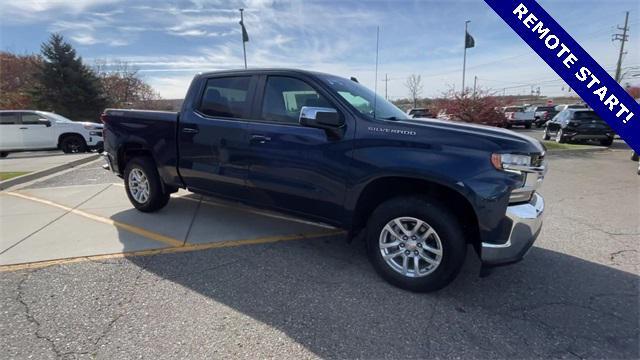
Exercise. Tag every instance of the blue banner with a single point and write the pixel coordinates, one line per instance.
(569, 60)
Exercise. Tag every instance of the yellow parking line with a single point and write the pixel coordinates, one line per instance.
(186, 248)
(130, 228)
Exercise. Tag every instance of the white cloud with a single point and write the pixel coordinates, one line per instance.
(84, 39)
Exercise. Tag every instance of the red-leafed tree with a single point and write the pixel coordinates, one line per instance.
(17, 77)
(479, 108)
(634, 91)
(123, 86)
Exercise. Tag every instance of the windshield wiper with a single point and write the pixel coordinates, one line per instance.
(390, 118)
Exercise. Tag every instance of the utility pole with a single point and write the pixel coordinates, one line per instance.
(386, 82)
(464, 61)
(622, 38)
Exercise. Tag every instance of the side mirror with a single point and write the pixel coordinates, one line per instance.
(320, 117)
(44, 122)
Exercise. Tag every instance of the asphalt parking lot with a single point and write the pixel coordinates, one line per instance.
(576, 295)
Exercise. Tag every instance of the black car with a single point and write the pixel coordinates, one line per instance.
(543, 114)
(420, 113)
(579, 124)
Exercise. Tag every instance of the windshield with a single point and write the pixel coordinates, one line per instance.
(363, 99)
(513, 109)
(56, 117)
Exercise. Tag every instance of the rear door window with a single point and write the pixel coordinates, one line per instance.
(587, 116)
(226, 97)
(7, 118)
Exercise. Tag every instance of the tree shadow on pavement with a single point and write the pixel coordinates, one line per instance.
(323, 294)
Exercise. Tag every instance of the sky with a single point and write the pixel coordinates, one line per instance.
(171, 41)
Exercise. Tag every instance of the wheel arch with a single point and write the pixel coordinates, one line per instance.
(130, 150)
(384, 188)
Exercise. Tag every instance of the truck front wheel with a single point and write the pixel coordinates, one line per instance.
(415, 243)
(143, 185)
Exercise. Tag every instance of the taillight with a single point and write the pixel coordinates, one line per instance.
(103, 118)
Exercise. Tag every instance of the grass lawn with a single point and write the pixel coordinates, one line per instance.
(552, 145)
(4, 175)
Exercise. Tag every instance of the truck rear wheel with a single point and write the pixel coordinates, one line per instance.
(415, 243)
(143, 185)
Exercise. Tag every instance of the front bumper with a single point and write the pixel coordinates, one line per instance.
(99, 145)
(526, 225)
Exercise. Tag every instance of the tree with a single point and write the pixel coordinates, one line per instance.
(17, 77)
(123, 87)
(634, 91)
(65, 85)
(479, 109)
(414, 84)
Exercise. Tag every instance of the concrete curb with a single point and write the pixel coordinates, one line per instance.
(46, 172)
(575, 151)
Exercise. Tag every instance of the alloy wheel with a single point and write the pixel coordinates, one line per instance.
(410, 247)
(139, 186)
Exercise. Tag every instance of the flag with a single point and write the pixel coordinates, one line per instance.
(468, 41)
(245, 36)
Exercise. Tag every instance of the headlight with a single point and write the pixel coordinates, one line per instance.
(92, 127)
(507, 161)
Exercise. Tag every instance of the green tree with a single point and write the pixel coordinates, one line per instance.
(65, 85)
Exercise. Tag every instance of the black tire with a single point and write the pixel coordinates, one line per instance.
(4, 154)
(560, 137)
(157, 198)
(508, 126)
(72, 144)
(606, 142)
(527, 126)
(441, 220)
(546, 135)
(634, 156)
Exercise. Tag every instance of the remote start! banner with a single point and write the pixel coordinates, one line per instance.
(572, 63)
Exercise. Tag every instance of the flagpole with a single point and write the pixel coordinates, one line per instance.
(464, 61)
(375, 84)
(244, 49)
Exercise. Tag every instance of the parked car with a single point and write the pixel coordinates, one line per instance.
(26, 130)
(542, 114)
(579, 124)
(307, 143)
(516, 115)
(420, 113)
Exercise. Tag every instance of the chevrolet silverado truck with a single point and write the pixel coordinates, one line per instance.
(328, 149)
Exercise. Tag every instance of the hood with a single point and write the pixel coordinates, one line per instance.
(470, 134)
(91, 124)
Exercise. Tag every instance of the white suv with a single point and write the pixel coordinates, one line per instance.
(24, 130)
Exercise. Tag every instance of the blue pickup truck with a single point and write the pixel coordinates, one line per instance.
(328, 149)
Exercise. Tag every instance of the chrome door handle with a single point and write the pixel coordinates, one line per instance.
(190, 130)
(260, 139)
